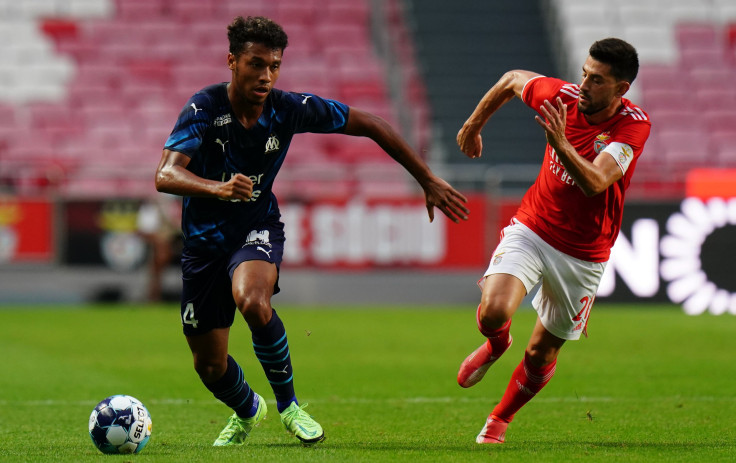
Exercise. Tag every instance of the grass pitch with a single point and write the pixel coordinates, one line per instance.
(650, 384)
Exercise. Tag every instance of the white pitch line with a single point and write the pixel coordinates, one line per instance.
(379, 401)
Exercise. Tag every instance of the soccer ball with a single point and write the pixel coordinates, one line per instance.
(120, 424)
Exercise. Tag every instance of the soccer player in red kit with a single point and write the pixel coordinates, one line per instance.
(568, 220)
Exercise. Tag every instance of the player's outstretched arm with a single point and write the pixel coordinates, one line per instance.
(173, 177)
(509, 85)
(437, 192)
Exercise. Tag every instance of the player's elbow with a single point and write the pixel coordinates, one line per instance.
(593, 189)
(162, 181)
(364, 124)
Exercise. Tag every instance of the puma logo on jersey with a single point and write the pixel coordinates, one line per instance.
(221, 143)
(272, 144)
(195, 108)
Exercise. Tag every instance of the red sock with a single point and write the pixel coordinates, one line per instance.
(526, 381)
(498, 338)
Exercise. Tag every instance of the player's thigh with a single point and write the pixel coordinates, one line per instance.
(514, 269)
(566, 297)
(253, 283)
(207, 301)
(248, 267)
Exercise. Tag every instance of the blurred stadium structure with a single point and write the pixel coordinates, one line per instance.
(89, 90)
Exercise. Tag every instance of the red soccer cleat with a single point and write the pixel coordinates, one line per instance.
(494, 432)
(475, 365)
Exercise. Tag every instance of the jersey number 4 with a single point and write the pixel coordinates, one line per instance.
(188, 316)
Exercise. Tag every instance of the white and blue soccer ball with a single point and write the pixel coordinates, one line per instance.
(120, 424)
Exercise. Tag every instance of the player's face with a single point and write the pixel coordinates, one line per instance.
(599, 89)
(255, 71)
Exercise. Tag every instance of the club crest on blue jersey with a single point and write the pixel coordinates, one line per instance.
(272, 144)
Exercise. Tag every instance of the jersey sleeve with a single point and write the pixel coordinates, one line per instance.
(319, 115)
(190, 127)
(541, 88)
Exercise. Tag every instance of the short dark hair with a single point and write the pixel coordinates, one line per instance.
(256, 29)
(618, 54)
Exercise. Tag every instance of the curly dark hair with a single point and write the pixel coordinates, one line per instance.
(620, 55)
(255, 29)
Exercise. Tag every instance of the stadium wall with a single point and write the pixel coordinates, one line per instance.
(373, 251)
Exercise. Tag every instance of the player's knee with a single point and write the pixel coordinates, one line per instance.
(256, 310)
(494, 312)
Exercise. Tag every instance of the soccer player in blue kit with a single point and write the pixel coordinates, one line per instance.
(226, 148)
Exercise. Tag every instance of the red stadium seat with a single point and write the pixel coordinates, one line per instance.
(715, 99)
(698, 36)
(720, 120)
(705, 77)
(343, 35)
(294, 13)
(137, 10)
(190, 10)
(684, 147)
(136, 67)
(659, 76)
(699, 58)
(667, 99)
(354, 13)
(723, 147)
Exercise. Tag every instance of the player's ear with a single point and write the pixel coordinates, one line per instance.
(623, 87)
(231, 61)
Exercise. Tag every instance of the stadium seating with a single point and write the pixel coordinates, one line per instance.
(96, 85)
(688, 66)
(86, 81)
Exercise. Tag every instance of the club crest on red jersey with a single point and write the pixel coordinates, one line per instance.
(601, 141)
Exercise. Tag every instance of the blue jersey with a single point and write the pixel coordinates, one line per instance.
(220, 147)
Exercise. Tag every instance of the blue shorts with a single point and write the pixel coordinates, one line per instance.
(207, 295)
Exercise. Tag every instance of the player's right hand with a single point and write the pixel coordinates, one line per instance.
(238, 188)
(470, 141)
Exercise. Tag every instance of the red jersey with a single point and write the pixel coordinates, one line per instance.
(555, 208)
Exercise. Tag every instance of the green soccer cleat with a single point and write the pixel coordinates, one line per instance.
(238, 429)
(301, 424)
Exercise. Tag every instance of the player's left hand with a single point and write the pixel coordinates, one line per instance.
(438, 193)
(554, 122)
